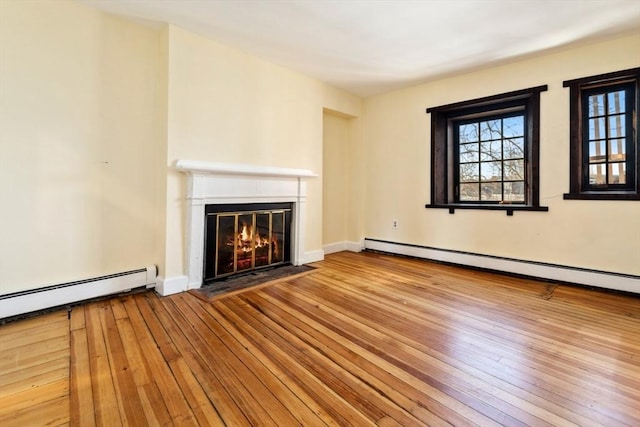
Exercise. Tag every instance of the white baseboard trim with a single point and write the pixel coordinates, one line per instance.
(355, 246)
(332, 248)
(581, 276)
(342, 246)
(313, 256)
(171, 285)
(19, 303)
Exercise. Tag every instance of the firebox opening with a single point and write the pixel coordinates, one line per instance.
(241, 238)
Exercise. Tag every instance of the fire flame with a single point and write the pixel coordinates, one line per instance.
(246, 237)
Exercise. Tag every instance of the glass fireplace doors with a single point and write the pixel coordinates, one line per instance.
(242, 238)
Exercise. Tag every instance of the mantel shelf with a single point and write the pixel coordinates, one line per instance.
(215, 168)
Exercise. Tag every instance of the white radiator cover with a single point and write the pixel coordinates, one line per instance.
(19, 303)
(567, 274)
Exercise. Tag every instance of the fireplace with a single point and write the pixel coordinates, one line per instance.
(240, 238)
(210, 183)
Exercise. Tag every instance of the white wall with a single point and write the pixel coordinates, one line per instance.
(602, 235)
(78, 137)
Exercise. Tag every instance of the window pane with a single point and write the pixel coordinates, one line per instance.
(513, 127)
(490, 150)
(491, 171)
(490, 130)
(617, 173)
(513, 148)
(469, 172)
(602, 136)
(514, 191)
(596, 105)
(468, 133)
(617, 150)
(597, 151)
(597, 174)
(469, 192)
(468, 153)
(616, 102)
(513, 170)
(491, 191)
(616, 126)
(596, 128)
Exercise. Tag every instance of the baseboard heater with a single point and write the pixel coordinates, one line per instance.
(561, 273)
(33, 300)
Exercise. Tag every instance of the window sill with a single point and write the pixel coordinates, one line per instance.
(510, 209)
(609, 195)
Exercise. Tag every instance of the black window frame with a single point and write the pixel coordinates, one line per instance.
(444, 149)
(579, 91)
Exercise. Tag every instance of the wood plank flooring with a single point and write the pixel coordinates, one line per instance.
(366, 339)
(34, 371)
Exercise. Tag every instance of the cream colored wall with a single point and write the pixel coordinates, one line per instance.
(162, 106)
(95, 110)
(602, 235)
(226, 106)
(335, 178)
(78, 137)
(342, 179)
(356, 182)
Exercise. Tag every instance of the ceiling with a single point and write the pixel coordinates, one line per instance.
(372, 46)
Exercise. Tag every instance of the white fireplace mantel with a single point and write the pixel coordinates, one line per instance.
(222, 183)
(198, 167)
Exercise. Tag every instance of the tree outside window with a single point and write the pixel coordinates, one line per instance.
(491, 160)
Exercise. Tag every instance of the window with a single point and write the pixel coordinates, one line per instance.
(490, 159)
(603, 137)
(484, 153)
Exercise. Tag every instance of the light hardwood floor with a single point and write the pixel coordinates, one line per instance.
(34, 371)
(366, 339)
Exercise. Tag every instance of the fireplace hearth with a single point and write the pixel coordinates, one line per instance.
(244, 237)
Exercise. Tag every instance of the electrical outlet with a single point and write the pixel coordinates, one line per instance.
(395, 223)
